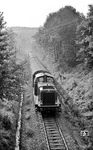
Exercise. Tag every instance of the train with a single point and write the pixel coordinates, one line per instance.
(44, 90)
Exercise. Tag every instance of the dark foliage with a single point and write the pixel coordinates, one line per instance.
(10, 86)
(85, 39)
(58, 35)
(9, 70)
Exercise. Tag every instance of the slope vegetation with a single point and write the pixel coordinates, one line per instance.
(57, 37)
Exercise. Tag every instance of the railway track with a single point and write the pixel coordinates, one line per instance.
(54, 136)
(56, 139)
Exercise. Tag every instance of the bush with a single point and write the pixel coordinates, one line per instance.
(6, 123)
(7, 140)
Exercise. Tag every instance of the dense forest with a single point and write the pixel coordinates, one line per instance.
(67, 35)
(10, 87)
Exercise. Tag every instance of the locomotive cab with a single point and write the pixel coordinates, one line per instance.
(45, 93)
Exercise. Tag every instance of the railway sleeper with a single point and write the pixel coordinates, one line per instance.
(57, 147)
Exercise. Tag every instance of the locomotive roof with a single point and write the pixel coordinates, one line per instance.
(42, 74)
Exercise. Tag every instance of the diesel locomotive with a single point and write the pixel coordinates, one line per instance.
(44, 91)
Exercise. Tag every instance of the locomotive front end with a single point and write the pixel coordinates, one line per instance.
(48, 97)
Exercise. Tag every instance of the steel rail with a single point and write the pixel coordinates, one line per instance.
(55, 122)
(61, 133)
(54, 135)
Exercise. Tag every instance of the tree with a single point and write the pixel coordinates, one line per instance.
(85, 39)
(4, 54)
(90, 13)
(9, 70)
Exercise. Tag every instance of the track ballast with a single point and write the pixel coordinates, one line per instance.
(54, 135)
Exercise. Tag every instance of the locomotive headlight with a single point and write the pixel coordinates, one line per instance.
(41, 88)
